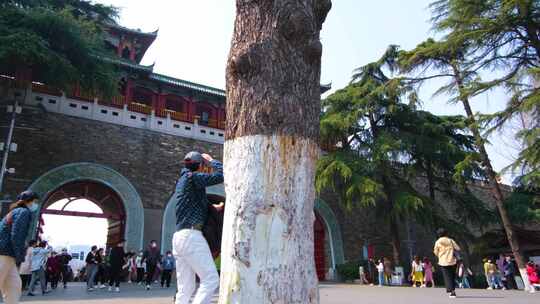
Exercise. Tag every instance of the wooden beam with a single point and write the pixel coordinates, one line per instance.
(81, 214)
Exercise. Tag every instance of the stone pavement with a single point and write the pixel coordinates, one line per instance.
(330, 294)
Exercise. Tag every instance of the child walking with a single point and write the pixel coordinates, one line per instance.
(428, 273)
(417, 271)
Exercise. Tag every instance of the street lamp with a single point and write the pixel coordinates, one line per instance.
(9, 146)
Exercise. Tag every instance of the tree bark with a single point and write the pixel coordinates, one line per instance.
(495, 187)
(270, 152)
(395, 241)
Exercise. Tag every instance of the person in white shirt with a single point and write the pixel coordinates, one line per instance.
(141, 267)
(380, 269)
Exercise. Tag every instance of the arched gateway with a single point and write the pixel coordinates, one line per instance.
(327, 233)
(105, 187)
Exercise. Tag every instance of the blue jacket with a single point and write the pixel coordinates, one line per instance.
(191, 201)
(13, 233)
(168, 263)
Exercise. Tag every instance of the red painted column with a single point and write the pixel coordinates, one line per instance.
(132, 53)
(192, 109)
(120, 46)
(160, 102)
(215, 112)
(155, 100)
(129, 91)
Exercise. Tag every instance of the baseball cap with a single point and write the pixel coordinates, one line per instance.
(193, 157)
(27, 195)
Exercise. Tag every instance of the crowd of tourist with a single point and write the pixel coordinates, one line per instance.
(24, 265)
(145, 268)
(499, 273)
(102, 268)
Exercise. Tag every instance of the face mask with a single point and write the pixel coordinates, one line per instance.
(33, 207)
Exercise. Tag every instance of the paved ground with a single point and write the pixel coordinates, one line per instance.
(330, 294)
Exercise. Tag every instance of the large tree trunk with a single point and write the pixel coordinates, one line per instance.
(273, 106)
(495, 187)
(395, 241)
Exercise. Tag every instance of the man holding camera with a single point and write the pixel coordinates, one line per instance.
(190, 248)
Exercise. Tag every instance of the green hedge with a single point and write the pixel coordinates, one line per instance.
(348, 271)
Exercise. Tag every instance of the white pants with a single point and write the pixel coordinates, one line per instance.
(10, 281)
(193, 256)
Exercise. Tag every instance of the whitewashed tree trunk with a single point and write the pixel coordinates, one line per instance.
(267, 254)
(273, 108)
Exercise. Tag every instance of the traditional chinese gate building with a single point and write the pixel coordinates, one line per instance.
(124, 153)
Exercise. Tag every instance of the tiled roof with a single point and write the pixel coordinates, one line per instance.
(204, 88)
(130, 64)
(133, 31)
(187, 84)
(325, 87)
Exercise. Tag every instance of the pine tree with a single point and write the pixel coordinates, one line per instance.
(447, 60)
(501, 36)
(378, 147)
(60, 43)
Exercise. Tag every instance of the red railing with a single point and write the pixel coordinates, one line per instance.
(140, 108)
(116, 101)
(45, 89)
(212, 123)
(161, 113)
(180, 116)
(81, 96)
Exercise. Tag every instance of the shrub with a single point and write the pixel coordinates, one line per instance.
(348, 271)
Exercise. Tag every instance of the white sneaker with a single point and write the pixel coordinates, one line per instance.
(102, 286)
(110, 288)
(129, 282)
(90, 289)
(490, 288)
(117, 289)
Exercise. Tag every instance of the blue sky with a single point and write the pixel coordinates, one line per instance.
(194, 40)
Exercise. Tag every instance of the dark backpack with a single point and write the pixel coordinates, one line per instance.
(213, 230)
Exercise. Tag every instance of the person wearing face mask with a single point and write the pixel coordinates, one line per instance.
(151, 257)
(14, 229)
(167, 264)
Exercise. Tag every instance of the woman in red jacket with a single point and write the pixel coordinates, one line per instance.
(533, 276)
(53, 270)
